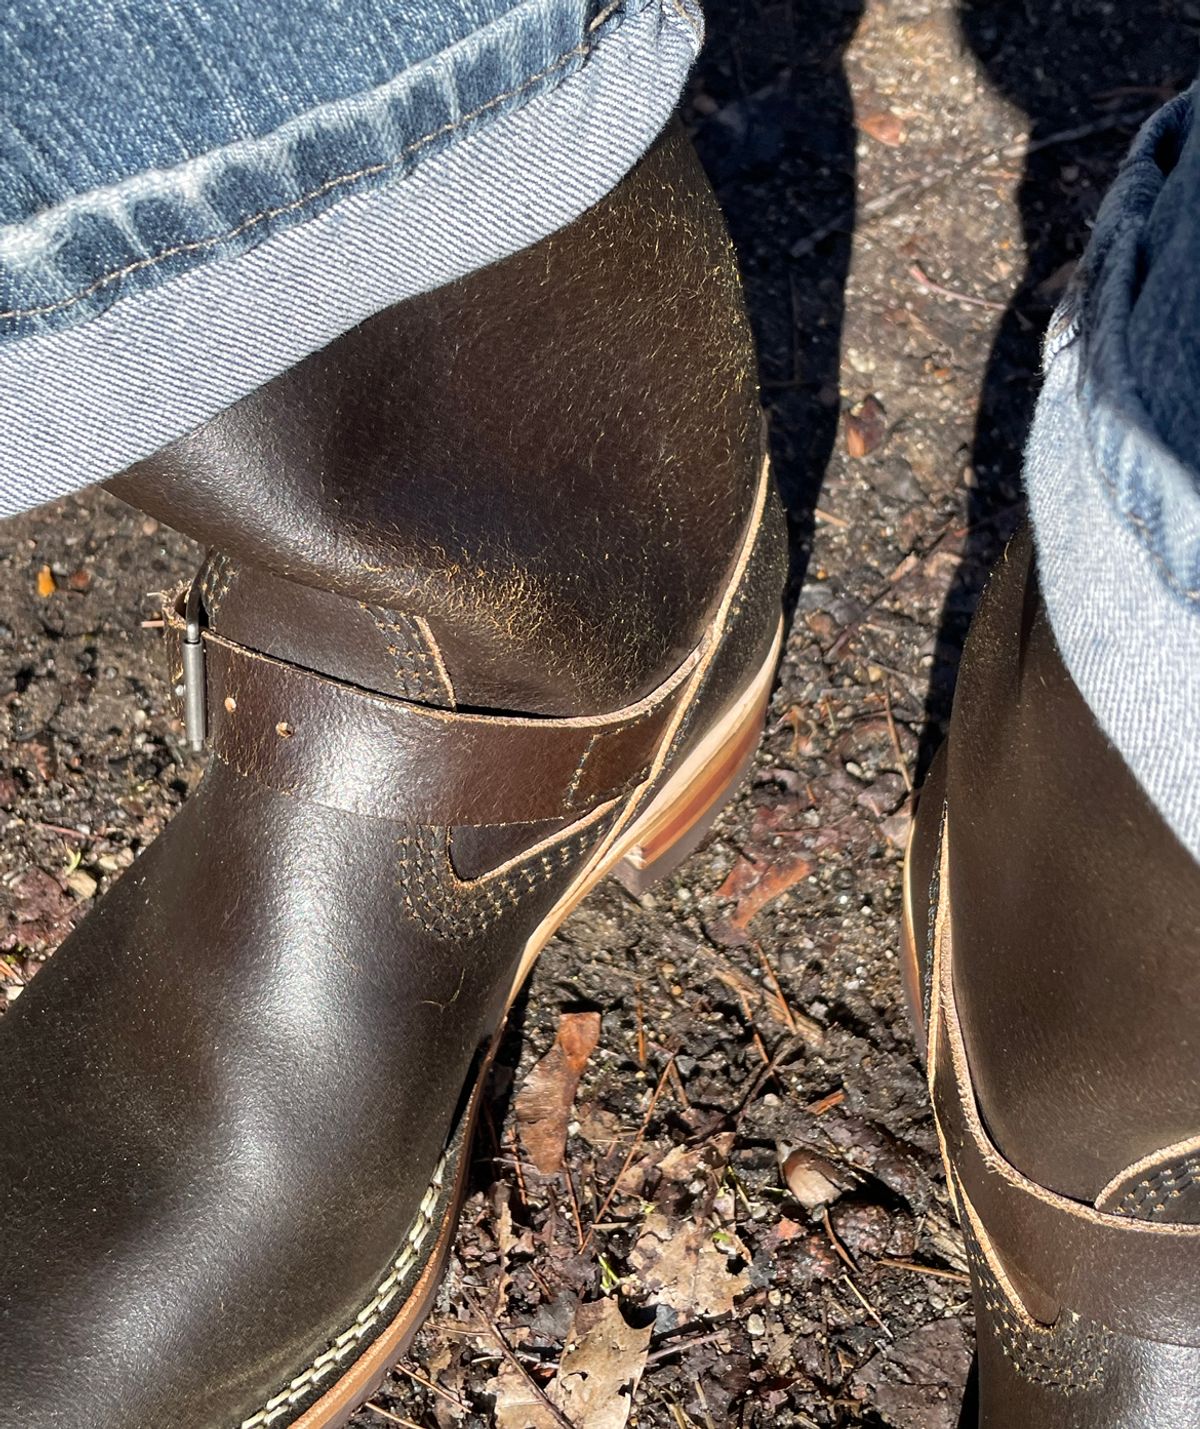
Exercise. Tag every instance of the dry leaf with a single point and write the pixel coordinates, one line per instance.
(689, 1270)
(684, 1163)
(884, 126)
(46, 584)
(518, 1405)
(600, 1371)
(596, 1380)
(866, 427)
(543, 1104)
(754, 885)
(810, 1178)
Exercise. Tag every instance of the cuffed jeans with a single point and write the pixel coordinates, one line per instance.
(196, 194)
(1112, 478)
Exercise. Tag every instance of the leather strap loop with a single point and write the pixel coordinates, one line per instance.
(1137, 1277)
(334, 744)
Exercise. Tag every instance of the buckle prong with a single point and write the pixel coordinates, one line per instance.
(195, 694)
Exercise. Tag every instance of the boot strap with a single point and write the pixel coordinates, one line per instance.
(1136, 1277)
(335, 744)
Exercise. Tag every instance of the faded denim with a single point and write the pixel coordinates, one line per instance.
(230, 280)
(140, 139)
(1116, 513)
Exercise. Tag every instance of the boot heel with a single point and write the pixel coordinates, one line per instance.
(686, 807)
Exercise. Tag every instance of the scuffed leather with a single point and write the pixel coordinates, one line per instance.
(335, 744)
(1076, 912)
(229, 1090)
(498, 456)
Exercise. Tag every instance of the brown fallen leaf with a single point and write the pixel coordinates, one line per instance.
(689, 1269)
(883, 126)
(599, 1374)
(753, 885)
(810, 1178)
(543, 1104)
(915, 1383)
(684, 1163)
(866, 427)
(596, 1380)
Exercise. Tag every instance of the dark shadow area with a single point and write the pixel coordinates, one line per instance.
(1086, 75)
(969, 1415)
(771, 115)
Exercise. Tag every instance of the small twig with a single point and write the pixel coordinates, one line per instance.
(826, 1103)
(433, 1388)
(641, 1031)
(842, 1253)
(684, 1100)
(59, 829)
(700, 1395)
(678, 1345)
(574, 1205)
(637, 1141)
(788, 1046)
(901, 762)
(916, 271)
(830, 519)
(774, 981)
(936, 1272)
(389, 1416)
(512, 1136)
(507, 1351)
(867, 1306)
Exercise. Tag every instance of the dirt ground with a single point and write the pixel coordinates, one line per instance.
(750, 1226)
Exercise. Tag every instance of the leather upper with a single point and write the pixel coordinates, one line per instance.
(486, 572)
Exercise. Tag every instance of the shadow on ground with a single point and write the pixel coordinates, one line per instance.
(1081, 118)
(770, 112)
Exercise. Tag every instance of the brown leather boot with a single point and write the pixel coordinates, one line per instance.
(493, 612)
(1052, 925)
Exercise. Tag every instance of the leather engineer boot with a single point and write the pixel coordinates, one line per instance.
(492, 611)
(1052, 922)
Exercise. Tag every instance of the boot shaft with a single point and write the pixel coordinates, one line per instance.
(1075, 916)
(533, 479)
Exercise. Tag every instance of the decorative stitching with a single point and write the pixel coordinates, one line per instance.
(265, 215)
(366, 1318)
(576, 778)
(429, 642)
(416, 673)
(1152, 1195)
(219, 575)
(1069, 1356)
(450, 907)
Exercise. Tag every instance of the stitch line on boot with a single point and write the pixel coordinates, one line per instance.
(366, 1318)
(451, 907)
(414, 671)
(1068, 1356)
(1155, 1192)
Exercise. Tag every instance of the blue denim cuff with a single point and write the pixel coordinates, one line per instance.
(1152, 492)
(1115, 513)
(143, 139)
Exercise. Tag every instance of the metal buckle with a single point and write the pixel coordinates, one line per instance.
(194, 688)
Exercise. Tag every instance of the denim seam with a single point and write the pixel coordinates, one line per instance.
(370, 170)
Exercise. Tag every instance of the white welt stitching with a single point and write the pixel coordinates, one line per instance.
(366, 1317)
